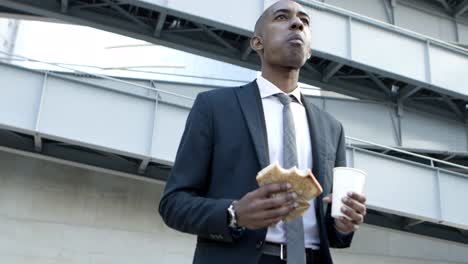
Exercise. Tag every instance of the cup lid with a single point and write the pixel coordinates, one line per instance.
(349, 168)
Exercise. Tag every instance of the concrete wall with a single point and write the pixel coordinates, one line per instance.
(385, 246)
(52, 213)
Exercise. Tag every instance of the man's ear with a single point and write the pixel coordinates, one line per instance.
(256, 43)
(309, 54)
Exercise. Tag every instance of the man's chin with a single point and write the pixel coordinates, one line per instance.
(295, 64)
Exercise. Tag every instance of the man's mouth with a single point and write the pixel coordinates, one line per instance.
(296, 39)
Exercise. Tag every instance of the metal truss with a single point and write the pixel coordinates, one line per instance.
(454, 8)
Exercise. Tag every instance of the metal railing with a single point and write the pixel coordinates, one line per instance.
(105, 77)
(430, 159)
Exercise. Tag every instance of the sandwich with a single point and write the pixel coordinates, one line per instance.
(303, 184)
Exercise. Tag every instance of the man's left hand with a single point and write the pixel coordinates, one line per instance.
(355, 209)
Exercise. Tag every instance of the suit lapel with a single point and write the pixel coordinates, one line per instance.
(318, 142)
(316, 130)
(252, 108)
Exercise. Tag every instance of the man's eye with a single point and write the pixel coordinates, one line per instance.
(281, 17)
(305, 21)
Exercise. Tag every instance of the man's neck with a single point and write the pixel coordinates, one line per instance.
(284, 78)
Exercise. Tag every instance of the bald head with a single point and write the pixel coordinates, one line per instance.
(282, 35)
(260, 24)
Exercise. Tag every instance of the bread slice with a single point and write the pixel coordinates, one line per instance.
(303, 184)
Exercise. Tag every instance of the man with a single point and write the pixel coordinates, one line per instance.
(233, 133)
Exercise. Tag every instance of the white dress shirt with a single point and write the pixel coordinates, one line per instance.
(273, 110)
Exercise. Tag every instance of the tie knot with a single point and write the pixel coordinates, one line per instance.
(284, 99)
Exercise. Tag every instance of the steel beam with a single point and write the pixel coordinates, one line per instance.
(331, 69)
(126, 14)
(412, 223)
(37, 142)
(159, 26)
(246, 50)
(88, 6)
(183, 30)
(453, 106)
(64, 8)
(310, 68)
(379, 83)
(427, 98)
(219, 39)
(461, 8)
(143, 166)
(37, 137)
(396, 122)
(408, 91)
(389, 11)
(450, 156)
(351, 77)
(445, 5)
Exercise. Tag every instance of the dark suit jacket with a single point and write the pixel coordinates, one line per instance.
(223, 147)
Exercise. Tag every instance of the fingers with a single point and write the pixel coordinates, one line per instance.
(353, 204)
(268, 189)
(328, 198)
(358, 197)
(270, 217)
(279, 212)
(355, 207)
(278, 200)
(265, 206)
(345, 225)
(272, 221)
(355, 217)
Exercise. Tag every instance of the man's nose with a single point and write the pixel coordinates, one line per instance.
(297, 24)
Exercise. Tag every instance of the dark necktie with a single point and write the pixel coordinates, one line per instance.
(294, 228)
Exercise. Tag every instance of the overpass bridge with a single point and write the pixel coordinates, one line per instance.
(363, 57)
(133, 127)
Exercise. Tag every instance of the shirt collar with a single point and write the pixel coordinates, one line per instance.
(267, 89)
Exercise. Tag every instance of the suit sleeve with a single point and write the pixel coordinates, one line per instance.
(337, 239)
(183, 205)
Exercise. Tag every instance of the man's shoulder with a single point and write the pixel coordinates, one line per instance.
(217, 93)
(326, 117)
(222, 94)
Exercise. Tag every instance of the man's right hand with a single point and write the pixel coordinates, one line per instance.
(259, 208)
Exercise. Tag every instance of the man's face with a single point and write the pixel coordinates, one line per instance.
(284, 38)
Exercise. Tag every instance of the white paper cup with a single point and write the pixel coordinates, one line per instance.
(345, 180)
